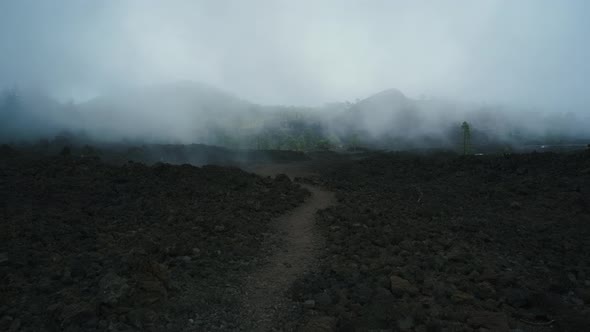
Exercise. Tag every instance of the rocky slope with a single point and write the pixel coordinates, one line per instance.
(89, 246)
(446, 243)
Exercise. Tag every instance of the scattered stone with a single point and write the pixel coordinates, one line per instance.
(572, 278)
(78, 269)
(468, 251)
(457, 240)
(517, 297)
(459, 297)
(320, 324)
(493, 321)
(406, 323)
(489, 275)
(282, 178)
(323, 299)
(15, 325)
(185, 259)
(78, 313)
(112, 288)
(67, 277)
(485, 290)
(400, 286)
(309, 304)
(584, 294)
(5, 323)
(151, 291)
(112, 258)
(458, 255)
(55, 308)
(364, 293)
(135, 317)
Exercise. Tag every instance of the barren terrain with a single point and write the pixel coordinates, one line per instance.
(382, 241)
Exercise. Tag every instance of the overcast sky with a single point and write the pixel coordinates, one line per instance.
(531, 53)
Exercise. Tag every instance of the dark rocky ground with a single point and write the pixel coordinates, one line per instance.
(177, 154)
(415, 243)
(89, 246)
(446, 243)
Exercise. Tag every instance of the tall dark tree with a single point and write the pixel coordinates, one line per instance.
(10, 101)
(466, 138)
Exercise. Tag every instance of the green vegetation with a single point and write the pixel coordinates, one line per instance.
(284, 130)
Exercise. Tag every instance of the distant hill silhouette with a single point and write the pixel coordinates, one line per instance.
(190, 112)
(164, 111)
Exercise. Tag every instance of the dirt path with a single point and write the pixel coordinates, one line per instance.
(265, 300)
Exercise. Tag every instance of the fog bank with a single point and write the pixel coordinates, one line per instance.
(531, 53)
(306, 70)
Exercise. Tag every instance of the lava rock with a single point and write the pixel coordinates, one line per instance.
(517, 297)
(309, 304)
(400, 286)
(320, 324)
(493, 321)
(323, 299)
(112, 288)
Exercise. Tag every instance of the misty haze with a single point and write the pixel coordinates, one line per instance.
(294, 165)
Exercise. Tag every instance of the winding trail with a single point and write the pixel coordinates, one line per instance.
(265, 301)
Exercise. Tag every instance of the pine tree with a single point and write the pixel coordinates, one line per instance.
(466, 138)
